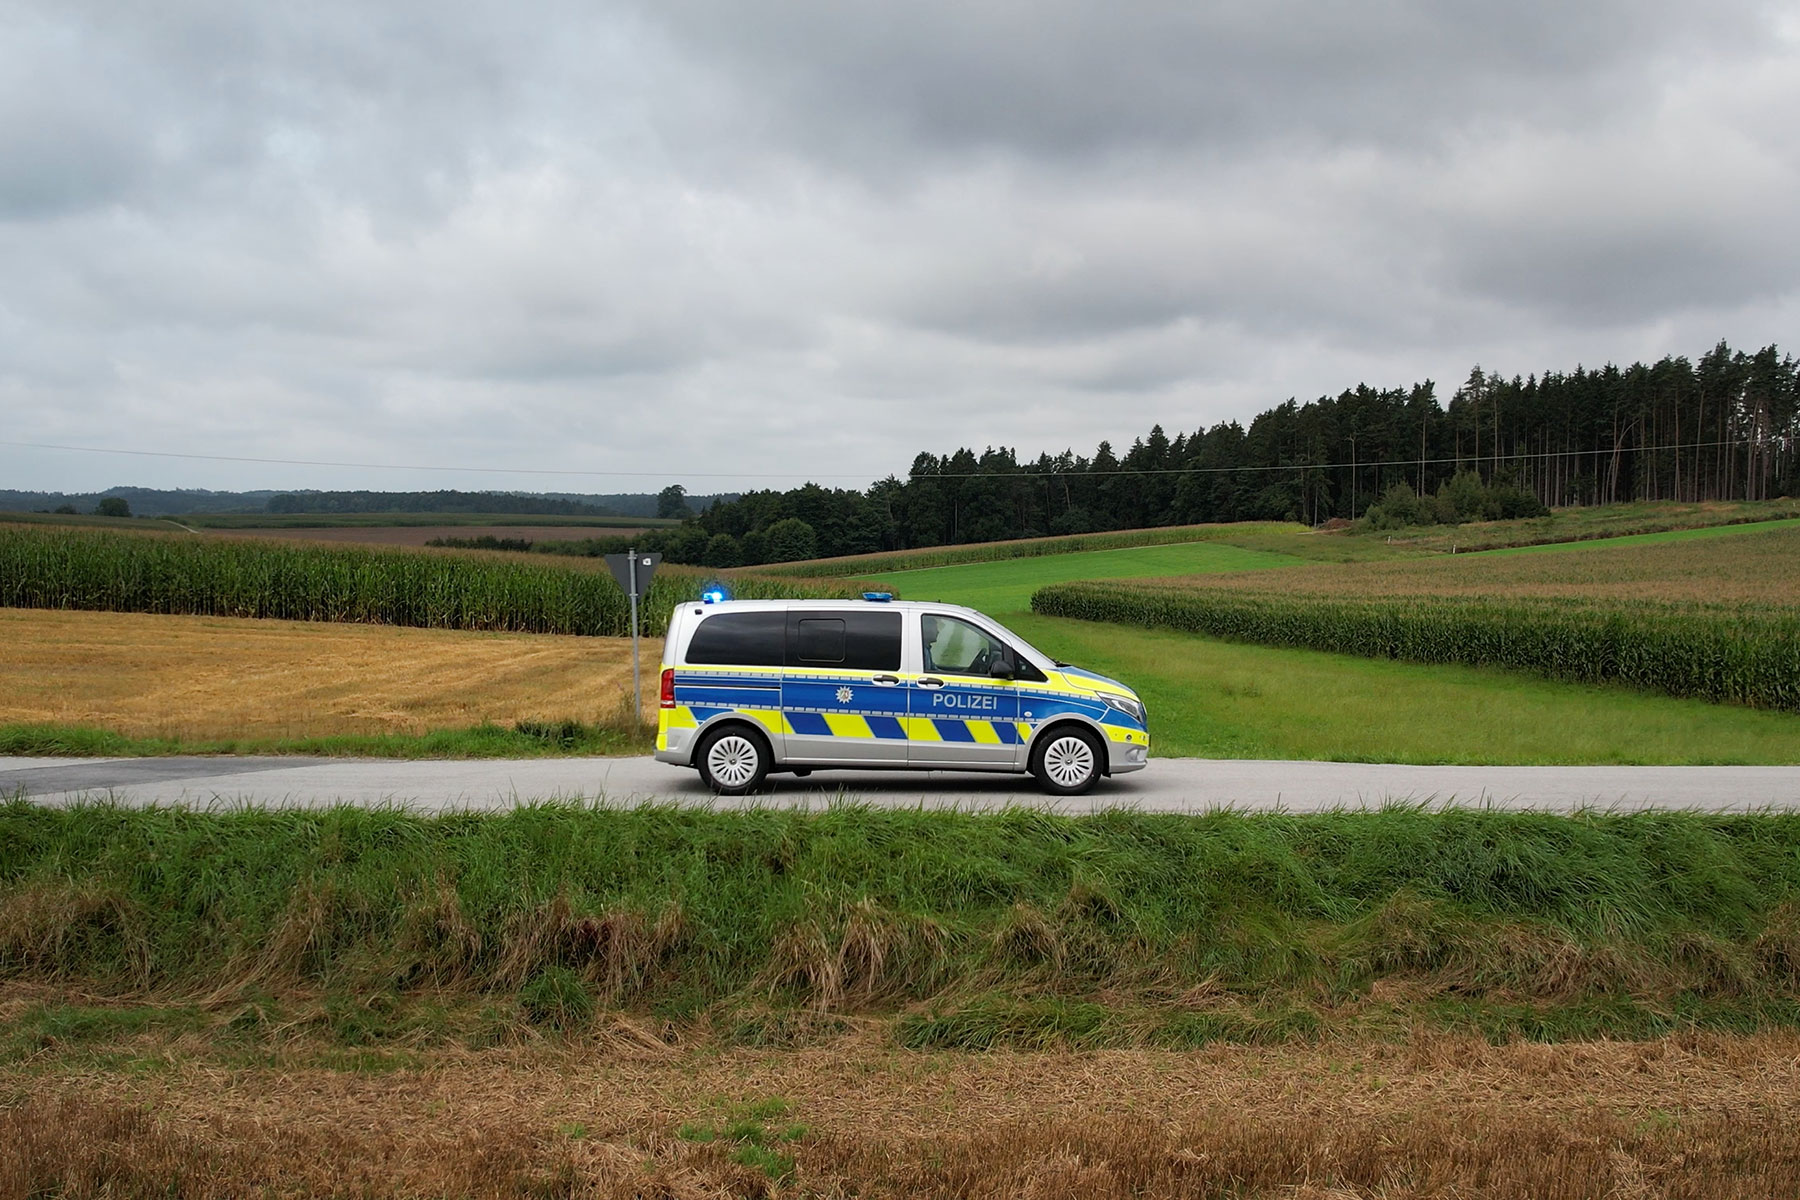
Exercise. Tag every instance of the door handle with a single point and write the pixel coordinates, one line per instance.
(931, 681)
(887, 679)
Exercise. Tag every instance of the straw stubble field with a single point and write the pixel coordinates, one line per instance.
(197, 678)
(621, 1114)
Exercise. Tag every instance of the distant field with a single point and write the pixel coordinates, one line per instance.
(1249, 534)
(415, 535)
(1735, 565)
(396, 520)
(1007, 585)
(1585, 524)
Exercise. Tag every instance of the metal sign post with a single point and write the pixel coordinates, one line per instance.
(634, 571)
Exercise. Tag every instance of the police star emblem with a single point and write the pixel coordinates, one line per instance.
(844, 695)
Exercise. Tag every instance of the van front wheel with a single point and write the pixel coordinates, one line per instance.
(733, 761)
(1068, 762)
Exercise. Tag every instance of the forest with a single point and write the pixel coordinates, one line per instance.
(1724, 427)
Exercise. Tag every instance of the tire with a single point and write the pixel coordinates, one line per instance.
(1068, 761)
(733, 761)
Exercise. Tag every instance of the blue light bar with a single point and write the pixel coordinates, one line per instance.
(715, 595)
(878, 597)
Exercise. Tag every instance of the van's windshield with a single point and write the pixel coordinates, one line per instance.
(1018, 643)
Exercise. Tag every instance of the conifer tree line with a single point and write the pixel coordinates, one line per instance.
(1724, 427)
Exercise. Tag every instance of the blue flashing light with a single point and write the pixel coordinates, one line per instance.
(715, 595)
(878, 597)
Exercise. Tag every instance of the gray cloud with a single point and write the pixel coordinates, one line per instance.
(815, 238)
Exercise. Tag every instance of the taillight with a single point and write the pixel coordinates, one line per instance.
(668, 687)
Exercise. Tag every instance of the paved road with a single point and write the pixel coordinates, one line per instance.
(1169, 784)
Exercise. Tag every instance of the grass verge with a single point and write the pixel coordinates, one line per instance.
(963, 930)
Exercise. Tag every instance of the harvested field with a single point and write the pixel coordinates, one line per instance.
(622, 1114)
(418, 535)
(206, 677)
(1759, 569)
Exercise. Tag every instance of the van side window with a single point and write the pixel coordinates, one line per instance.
(851, 640)
(741, 639)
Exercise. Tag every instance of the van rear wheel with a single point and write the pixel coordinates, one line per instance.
(1068, 762)
(733, 761)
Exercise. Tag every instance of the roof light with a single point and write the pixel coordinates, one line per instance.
(715, 595)
(878, 597)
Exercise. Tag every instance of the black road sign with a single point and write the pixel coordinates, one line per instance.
(622, 567)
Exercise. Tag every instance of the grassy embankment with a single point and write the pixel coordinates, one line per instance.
(564, 1001)
(1694, 613)
(1224, 699)
(950, 930)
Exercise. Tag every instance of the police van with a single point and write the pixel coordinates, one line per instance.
(755, 687)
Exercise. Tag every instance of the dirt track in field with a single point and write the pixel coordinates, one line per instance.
(224, 677)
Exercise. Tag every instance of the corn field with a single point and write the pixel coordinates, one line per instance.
(1720, 654)
(42, 567)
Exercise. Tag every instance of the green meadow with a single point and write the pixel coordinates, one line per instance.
(1218, 699)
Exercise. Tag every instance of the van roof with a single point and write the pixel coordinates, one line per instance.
(766, 605)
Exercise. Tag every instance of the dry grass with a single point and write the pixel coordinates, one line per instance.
(222, 677)
(1435, 1116)
(1755, 569)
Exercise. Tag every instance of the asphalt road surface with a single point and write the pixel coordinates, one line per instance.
(1167, 785)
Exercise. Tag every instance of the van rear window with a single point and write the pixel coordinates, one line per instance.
(743, 639)
(857, 639)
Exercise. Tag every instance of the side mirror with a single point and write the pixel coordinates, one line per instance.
(1001, 670)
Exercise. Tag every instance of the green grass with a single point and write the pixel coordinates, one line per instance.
(1006, 586)
(1606, 521)
(529, 739)
(1217, 699)
(1260, 534)
(1649, 539)
(962, 929)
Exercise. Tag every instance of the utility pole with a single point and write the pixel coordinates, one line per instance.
(634, 571)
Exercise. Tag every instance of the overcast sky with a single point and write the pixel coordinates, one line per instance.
(742, 245)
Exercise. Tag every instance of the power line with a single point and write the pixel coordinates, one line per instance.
(1018, 474)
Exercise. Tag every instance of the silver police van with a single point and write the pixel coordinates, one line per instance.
(754, 687)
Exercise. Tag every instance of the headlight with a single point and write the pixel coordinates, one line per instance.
(1131, 708)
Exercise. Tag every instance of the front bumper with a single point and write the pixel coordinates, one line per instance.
(1127, 750)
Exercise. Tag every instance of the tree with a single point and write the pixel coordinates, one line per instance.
(113, 506)
(790, 541)
(723, 551)
(671, 502)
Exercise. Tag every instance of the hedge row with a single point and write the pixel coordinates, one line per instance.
(129, 572)
(1716, 655)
